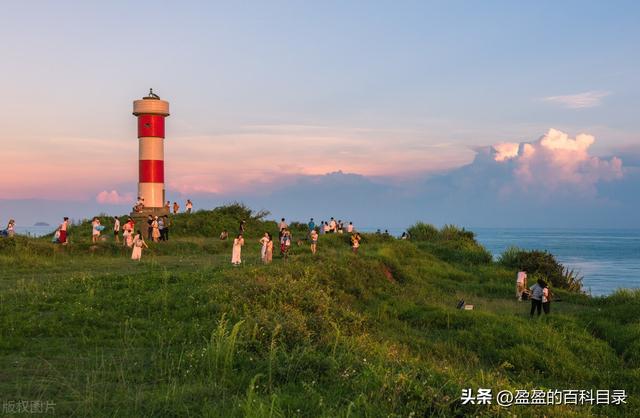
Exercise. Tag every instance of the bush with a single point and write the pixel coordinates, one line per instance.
(450, 243)
(542, 263)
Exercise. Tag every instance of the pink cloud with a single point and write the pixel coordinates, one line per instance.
(114, 198)
(557, 159)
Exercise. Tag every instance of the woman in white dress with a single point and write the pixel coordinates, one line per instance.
(138, 243)
(238, 242)
(264, 241)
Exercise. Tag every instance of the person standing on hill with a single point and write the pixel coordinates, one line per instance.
(285, 243)
(332, 226)
(155, 229)
(188, 206)
(11, 228)
(127, 233)
(242, 226)
(264, 241)
(268, 254)
(64, 226)
(281, 228)
(95, 230)
(326, 228)
(537, 291)
(138, 243)
(350, 228)
(238, 242)
(314, 241)
(167, 225)
(167, 206)
(311, 225)
(521, 284)
(176, 208)
(355, 242)
(116, 229)
(161, 227)
(546, 299)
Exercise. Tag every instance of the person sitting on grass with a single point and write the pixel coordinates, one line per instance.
(314, 241)
(537, 291)
(238, 242)
(138, 243)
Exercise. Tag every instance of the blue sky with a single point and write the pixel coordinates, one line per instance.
(265, 93)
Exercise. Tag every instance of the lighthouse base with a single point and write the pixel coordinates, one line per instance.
(140, 218)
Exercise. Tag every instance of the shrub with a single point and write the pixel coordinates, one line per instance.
(450, 243)
(542, 263)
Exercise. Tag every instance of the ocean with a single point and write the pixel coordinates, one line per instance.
(608, 259)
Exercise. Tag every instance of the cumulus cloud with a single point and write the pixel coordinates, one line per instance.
(114, 198)
(555, 160)
(580, 100)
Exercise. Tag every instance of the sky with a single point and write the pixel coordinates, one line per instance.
(395, 107)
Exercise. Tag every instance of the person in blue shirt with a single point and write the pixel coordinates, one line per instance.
(311, 225)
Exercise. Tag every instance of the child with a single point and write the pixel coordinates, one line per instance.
(314, 241)
(138, 243)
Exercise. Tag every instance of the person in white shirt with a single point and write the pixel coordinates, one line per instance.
(521, 284)
(350, 227)
(188, 206)
(116, 228)
(95, 230)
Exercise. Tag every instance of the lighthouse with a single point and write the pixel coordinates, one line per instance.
(151, 112)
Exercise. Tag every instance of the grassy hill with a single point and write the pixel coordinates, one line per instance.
(183, 333)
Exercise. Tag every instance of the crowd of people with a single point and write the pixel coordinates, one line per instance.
(188, 206)
(285, 239)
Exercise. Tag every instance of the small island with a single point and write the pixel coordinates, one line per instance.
(41, 224)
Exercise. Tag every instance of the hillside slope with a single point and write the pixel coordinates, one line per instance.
(183, 333)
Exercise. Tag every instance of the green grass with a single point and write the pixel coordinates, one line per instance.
(183, 333)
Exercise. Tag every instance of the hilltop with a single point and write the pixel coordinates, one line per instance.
(183, 333)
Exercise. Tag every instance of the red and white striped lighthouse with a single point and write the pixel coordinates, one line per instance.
(151, 112)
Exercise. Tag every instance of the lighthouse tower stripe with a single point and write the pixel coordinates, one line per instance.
(153, 194)
(151, 171)
(151, 125)
(151, 148)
